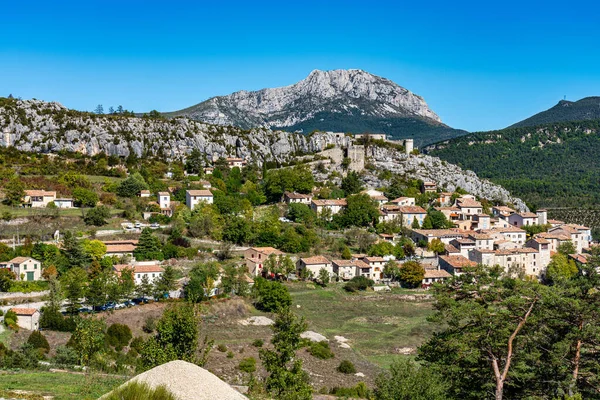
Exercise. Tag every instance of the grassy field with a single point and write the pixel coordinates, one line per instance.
(377, 324)
(63, 386)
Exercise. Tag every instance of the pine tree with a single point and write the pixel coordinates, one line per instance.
(166, 282)
(148, 248)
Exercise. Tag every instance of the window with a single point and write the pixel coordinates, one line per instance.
(25, 266)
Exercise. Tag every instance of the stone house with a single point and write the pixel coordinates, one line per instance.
(314, 265)
(294, 197)
(257, 256)
(331, 207)
(150, 269)
(27, 318)
(38, 198)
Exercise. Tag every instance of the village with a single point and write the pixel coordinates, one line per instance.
(466, 234)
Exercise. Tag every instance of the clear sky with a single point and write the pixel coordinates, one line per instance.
(479, 64)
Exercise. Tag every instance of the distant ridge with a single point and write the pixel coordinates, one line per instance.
(585, 109)
(340, 100)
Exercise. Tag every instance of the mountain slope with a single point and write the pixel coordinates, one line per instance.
(41, 127)
(552, 165)
(587, 108)
(340, 100)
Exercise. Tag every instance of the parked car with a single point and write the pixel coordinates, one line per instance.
(128, 303)
(138, 225)
(155, 226)
(140, 300)
(84, 310)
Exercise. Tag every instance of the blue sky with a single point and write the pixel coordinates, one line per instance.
(479, 65)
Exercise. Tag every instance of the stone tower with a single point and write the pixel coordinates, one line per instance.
(409, 145)
(542, 217)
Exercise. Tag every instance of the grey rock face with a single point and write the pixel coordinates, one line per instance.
(38, 126)
(340, 91)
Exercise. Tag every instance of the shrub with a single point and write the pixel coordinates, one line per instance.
(118, 336)
(247, 365)
(230, 354)
(320, 350)
(137, 390)
(54, 320)
(359, 391)
(137, 343)
(38, 341)
(346, 367)
(258, 343)
(222, 348)
(66, 356)
(10, 319)
(358, 283)
(149, 325)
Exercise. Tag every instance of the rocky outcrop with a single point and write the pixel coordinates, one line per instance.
(38, 126)
(340, 91)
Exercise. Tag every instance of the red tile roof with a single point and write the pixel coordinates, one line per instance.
(315, 260)
(24, 311)
(458, 261)
(201, 193)
(412, 210)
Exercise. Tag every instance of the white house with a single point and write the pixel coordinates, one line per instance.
(289, 198)
(120, 248)
(331, 206)
(315, 264)
(468, 207)
(235, 162)
(144, 193)
(377, 264)
(38, 198)
(194, 197)
(444, 198)
(25, 268)
(63, 203)
(164, 202)
(429, 187)
(434, 275)
(455, 264)
(404, 201)
(348, 269)
(151, 269)
(27, 318)
(523, 219)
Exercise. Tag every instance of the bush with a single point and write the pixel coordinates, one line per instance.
(138, 390)
(137, 343)
(118, 336)
(149, 325)
(97, 216)
(222, 348)
(258, 343)
(359, 391)
(38, 341)
(66, 356)
(10, 319)
(358, 283)
(320, 350)
(54, 320)
(346, 367)
(230, 354)
(247, 365)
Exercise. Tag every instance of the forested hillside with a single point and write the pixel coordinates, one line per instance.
(587, 108)
(553, 165)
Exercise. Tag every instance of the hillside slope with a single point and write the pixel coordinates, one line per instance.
(553, 165)
(340, 100)
(41, 127)
(587, 108)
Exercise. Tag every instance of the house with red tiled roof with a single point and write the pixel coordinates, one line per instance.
(24, 268)
(531, 261)
(149, 269)
(256, 257)
(348, 269)
(38, 198)
(328, 207)
(377, 264)
(455, 264)
(429, 187)
(314, 265)
(523, 219)
(433, 276)
(404, 201)
(444, 198)
(468, 207)
(164, 202)
(293, 197)
(195, 197)
(27, 318)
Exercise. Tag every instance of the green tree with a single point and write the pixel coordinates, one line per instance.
(567, 248)
(286, 379)
(85, 197)
(234, 280)
(324, 277)
(144, 289)
(149, 247)
(411, 274)
(7, 277)
(88, 338)
(407, 381)
(194, 162)
(176, 337)
(351, 184)
(95, 249)
(301, 213)
(270, 295)
(73, 283)
(361, 210)
(346, 253)
(437, 246)
(131, 186)
(415, 224)
(560, 268)
(391, 270)
(201, 281)
(381, 249)
(38, 341)
(490, 324)
(14, 191)
(427, 223)
(438, 219)
(236, 230)
(73, 253)
(167, 281)
(118, 336)
(97, 216)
